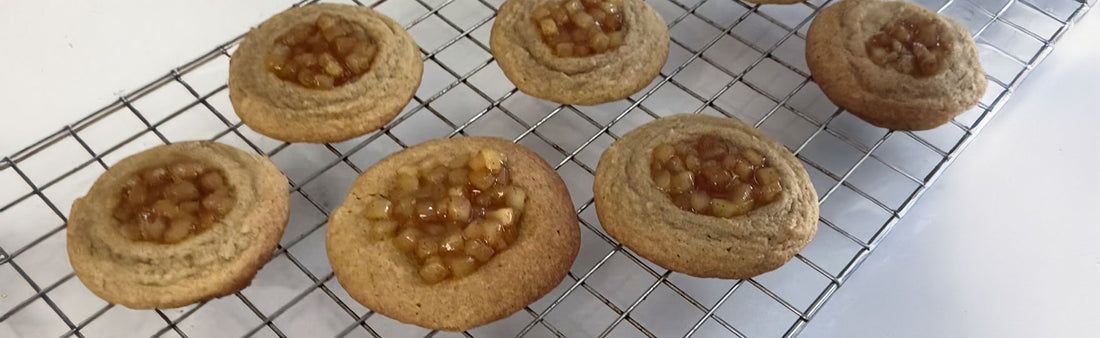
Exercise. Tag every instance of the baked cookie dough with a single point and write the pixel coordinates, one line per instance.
(894, 64)
(453, 234)
(177, 224)
(579, 52)
(323, 73)
(705, 196)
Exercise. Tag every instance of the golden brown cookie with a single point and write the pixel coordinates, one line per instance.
(579, 52)
(894, 64)
(410, 240)
(705, 196)
(177, 224)
(323, 73)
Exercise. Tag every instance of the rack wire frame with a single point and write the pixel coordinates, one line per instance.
(1014, 36)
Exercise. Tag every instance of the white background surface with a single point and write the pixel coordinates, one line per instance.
(1004, 245)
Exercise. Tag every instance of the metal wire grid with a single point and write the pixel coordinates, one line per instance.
(867, 177)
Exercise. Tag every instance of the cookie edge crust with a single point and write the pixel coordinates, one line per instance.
(376, 275)
(642, 218)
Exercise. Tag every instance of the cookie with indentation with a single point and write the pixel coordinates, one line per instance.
(705, 196)
(453, 234)
(579, 52)
(177, 224)
(894, 64)
(323, 73)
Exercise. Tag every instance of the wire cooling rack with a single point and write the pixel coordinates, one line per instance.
(727, 58)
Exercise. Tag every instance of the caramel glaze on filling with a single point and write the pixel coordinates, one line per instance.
(170, 203)
(323, 54)
(911, 46)
(579, 28)
(450, 218)
(711, 176)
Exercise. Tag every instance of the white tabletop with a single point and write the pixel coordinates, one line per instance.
(1004, 245)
